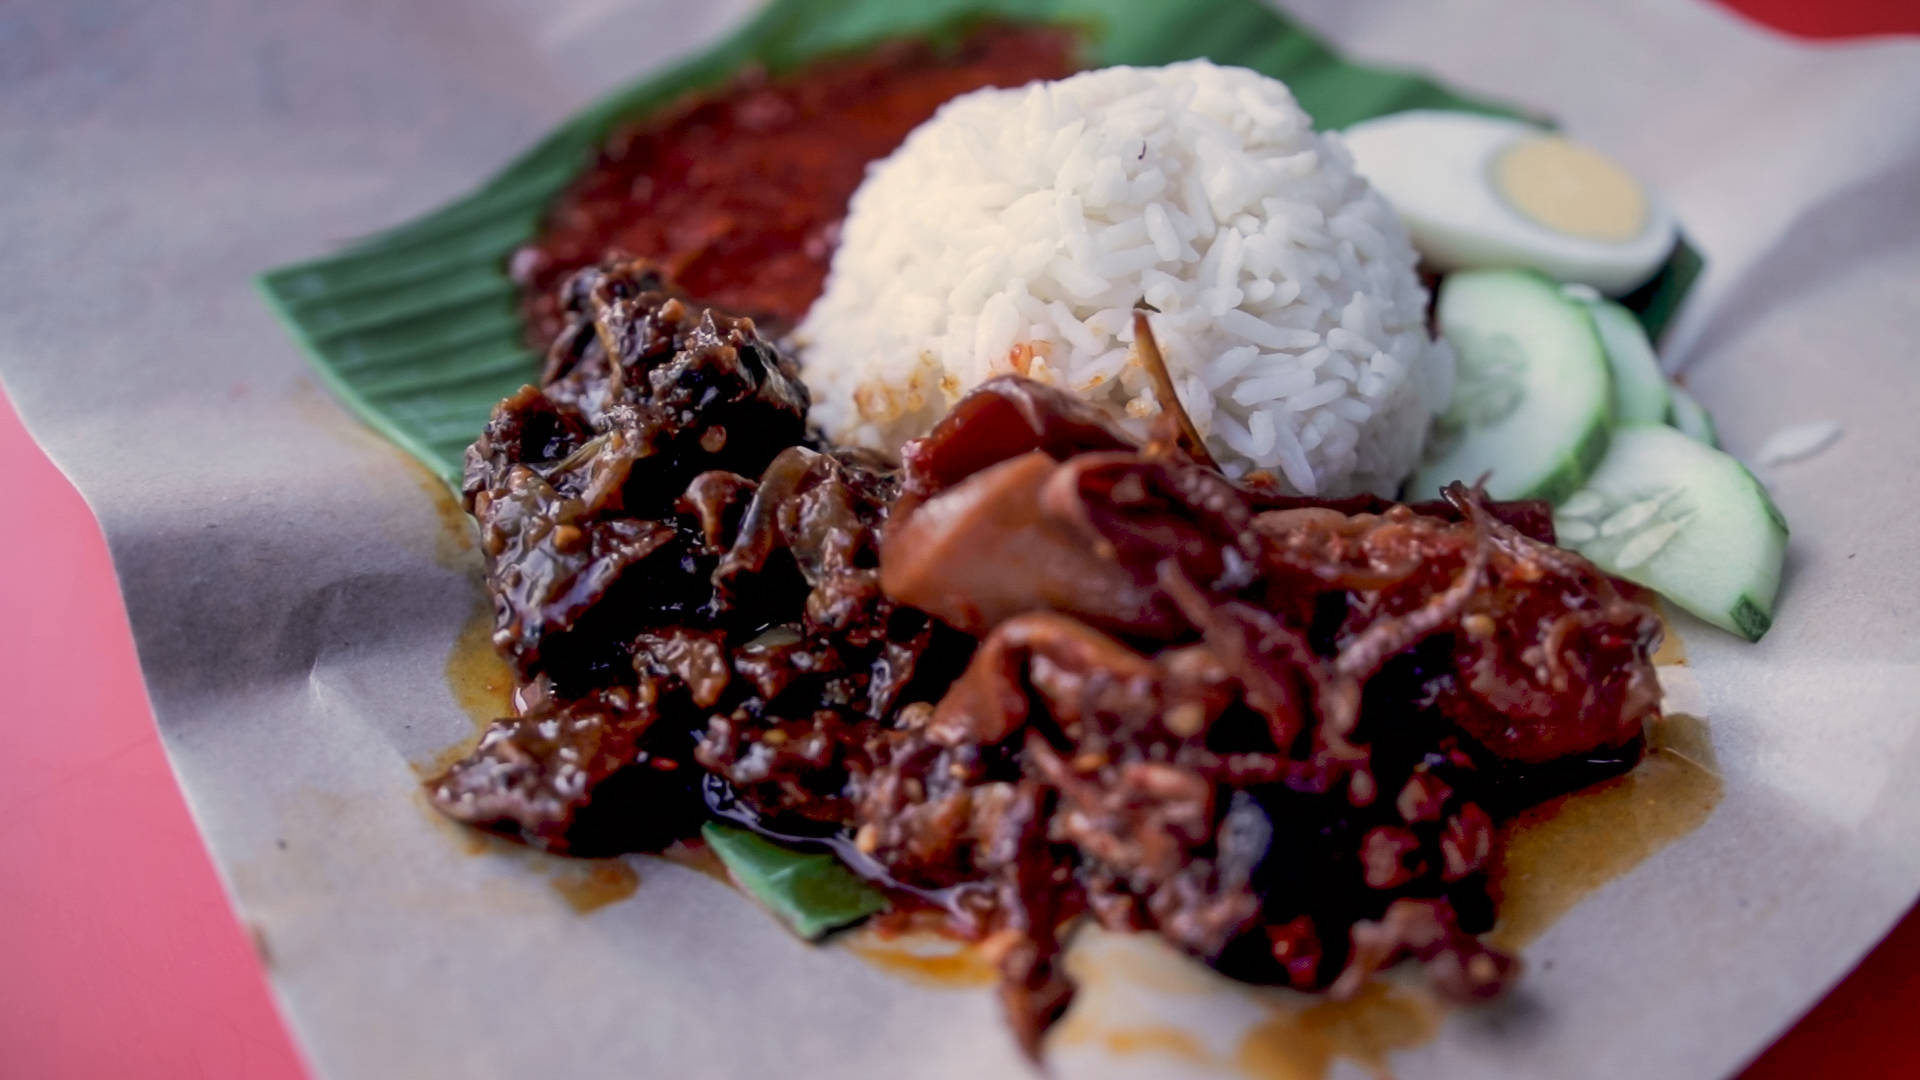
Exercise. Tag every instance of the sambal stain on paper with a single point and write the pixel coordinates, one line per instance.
(1161, 1040)
(1167, 1041)
(692, 853)
(586, 885)
(453, 543)
(1302, 1043)
(480, 682)
(924, 958)
(466, 841)
(590, 884)
(1557, 853)
(1292, 1036)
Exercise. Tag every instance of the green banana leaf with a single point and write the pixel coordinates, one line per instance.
(418, 328)
(811, 891)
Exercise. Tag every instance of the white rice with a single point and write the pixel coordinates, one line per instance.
(1018, 229)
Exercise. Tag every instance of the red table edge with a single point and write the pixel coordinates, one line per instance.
(214, 1014)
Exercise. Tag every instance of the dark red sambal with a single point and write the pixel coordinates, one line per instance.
(738, 195)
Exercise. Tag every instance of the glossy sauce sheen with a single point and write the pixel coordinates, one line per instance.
(688, 189)
(739, 195)
(482, 683)
(480, 680)
(931, 959)
(1553, 855)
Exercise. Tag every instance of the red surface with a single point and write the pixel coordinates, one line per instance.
(119, 956)
(1832, 18)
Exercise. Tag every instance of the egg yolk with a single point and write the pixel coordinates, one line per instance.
(1570, 189)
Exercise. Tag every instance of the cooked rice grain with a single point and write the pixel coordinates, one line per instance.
(1018, 229)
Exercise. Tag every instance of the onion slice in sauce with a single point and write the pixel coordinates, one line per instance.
(1186, 436)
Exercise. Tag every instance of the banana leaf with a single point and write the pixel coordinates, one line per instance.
(419, 330)
(810, 891)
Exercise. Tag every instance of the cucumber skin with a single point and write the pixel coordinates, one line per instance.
(1750, 615)
(1573, 470)
(1604, 310)
(1766, 501)
(1750, 620)
(1683, 411)
(1708, 428)
(1566, 477)
(1560, 484)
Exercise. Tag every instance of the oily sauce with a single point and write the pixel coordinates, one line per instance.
(1552, 856)
(927, 958)
(590, 884)
(480, 681)
(1295, 1043)
(739, 194)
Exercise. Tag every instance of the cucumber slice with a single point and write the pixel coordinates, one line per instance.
(1639, 387)
(1685, 520)
(1532, 400)
(1693, 419)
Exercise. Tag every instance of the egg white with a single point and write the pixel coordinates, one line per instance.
(1436, 168)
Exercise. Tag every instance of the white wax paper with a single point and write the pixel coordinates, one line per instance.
(294, 595)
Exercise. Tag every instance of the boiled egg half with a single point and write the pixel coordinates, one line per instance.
(1479, 192)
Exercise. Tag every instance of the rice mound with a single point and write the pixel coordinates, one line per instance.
(1017, 230)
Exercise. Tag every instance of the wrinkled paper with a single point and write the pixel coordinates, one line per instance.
(295, 593)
